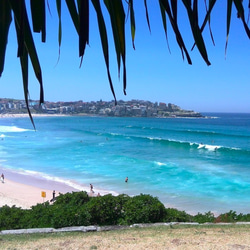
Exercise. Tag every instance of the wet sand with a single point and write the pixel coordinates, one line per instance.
(25, 190)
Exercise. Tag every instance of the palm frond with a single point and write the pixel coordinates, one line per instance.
(117, 17)
(173, 21)
(79, 13)
(104, 40)
(5, 21)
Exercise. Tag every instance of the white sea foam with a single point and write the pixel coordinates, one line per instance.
(160, 163)
(201, 146)
(5, 129)
(70, 183)
(212, 147)
(208, 147)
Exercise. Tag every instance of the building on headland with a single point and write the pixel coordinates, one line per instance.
(133, 108)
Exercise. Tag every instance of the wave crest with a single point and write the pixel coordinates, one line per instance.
(6, 129)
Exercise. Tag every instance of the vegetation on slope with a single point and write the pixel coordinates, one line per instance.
(78, 209)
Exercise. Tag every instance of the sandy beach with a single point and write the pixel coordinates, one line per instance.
(9, 115)
(25, 191)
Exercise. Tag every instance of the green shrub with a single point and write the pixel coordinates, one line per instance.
(74, 198)
(78, 209)
(68, 215)
(243, 217)
(69, 210)
(174, 215)
(11, 217)
(203, 218)
(107, 209)
(143, 209)
(231, 216)
(39, 216)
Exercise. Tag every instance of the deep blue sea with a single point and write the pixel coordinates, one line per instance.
(196, 164)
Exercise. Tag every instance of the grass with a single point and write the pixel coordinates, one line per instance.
(158, 237)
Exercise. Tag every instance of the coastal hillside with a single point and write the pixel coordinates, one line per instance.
(133, 108)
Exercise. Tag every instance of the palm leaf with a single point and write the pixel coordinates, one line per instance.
(59, 12)
(38, 17)
(164, 22)
(211, 4)
(104, 40)
(5, 21)
(132, 21)
(73, 13)
(241, 14)
(147, 17)
(83, 6)
(25, 72)
(24, 66)
(229, 12)
(207, 19)
(193, 19)
(117, 17)
(179, 39)
(174, 9)
(26, 39)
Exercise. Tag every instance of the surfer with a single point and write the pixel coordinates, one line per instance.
(126, 179)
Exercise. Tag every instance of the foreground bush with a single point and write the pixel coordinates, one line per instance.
(107, 209)
(78, 209)
(72, 199)
(174, 215)
(12, 217)
(143, 209)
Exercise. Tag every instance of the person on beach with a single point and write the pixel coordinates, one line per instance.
(2, 178)
(91, 188)
(126, 179)
(53, 196)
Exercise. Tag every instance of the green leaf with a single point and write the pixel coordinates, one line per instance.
(83, 25)
(25, 73)
(59, 12)
(25, 36)
(104, 40)
(147, 16)
(164, 22)
(117, 17)
(240, 9)
(5, 21)
(132, 21)
(193, 19)
(179, 39)
(229, 12)
(73, 13)
(24, 66)
(38, 17)
(207, 19)
(174, 9)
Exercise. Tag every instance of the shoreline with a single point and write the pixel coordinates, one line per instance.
(23, 190)
(24, 115)
(27, 115)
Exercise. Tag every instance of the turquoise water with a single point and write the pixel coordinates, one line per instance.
(196, 165)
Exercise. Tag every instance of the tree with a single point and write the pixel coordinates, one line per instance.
(16, 11)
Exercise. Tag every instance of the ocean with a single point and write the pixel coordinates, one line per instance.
(192, 164)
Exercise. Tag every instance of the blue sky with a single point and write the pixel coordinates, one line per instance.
(153, 73)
